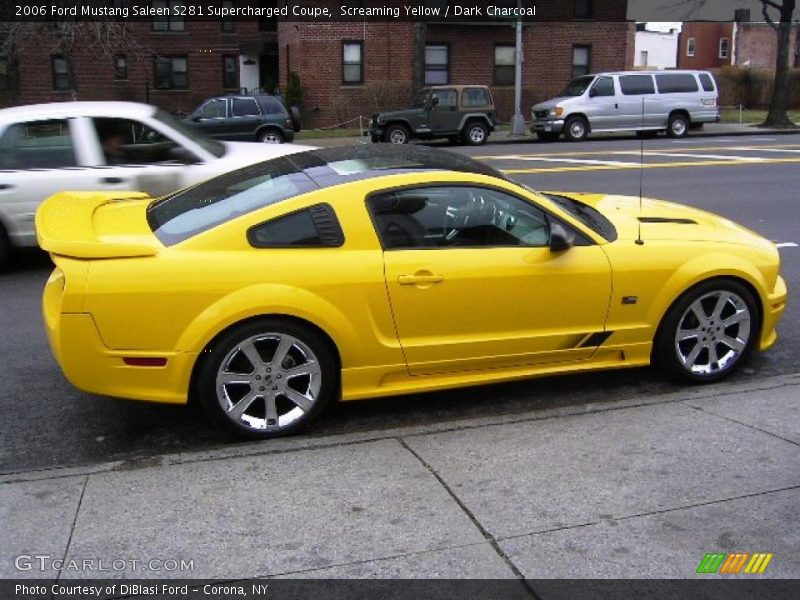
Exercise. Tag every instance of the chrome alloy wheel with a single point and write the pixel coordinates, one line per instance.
(577, 129)
(477, 134)
(268, 381)
(678, 127)
(271, 137)
(713, 333)
(398, 136)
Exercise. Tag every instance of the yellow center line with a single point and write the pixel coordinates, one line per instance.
(682, 149)
(698, 163)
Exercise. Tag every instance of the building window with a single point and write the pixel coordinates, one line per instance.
(504, 65)
(690, 44)
(170, 21)
(172, 73)
(581, 60)
(437, 65)
(583, 9)
(60, 73)
(230, 78)
(4, 76)
(228, 21)
(724, 47)
(352, 62)
(120, 67)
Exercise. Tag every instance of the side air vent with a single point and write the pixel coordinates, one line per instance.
(328, 228)
(667, 220)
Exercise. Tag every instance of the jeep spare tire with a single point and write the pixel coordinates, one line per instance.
(294, 112)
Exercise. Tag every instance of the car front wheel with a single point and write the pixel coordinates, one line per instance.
(576, 129)
(267, 378)
(709, 332)
(397, 134)
(270, 136)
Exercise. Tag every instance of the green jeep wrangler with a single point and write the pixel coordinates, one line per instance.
(460, 113)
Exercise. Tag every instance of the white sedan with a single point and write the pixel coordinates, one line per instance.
(107, 146)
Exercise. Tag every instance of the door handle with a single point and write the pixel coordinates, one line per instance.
(419, 279)
(5, 187)
(111, 180)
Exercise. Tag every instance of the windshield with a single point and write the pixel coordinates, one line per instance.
(586, 215)
(214, 147)
(577, 86)
(421, 97)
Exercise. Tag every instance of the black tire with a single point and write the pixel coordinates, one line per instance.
(547, 136)
(678, 125)
(576, 129)
(297, 124)
(266, 383)
(5, 249)
(397, 134)
(270, 136)
(475, 133)
(672, 355)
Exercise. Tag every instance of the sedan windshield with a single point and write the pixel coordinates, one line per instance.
(576, 87)
(214, 147)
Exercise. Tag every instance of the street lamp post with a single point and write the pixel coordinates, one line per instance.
(518, 122)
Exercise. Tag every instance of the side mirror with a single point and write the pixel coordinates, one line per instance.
(592, 93)
(427, 105)
(560, 238)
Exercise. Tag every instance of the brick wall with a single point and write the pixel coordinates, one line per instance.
(707, 36)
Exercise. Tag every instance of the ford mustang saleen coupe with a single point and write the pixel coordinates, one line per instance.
(353, 273)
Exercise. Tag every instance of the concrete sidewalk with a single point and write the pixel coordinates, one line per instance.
(505, 137)
(634, 489)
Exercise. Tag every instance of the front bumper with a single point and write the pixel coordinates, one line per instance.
(547, 126)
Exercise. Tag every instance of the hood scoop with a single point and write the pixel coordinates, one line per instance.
(671, 220)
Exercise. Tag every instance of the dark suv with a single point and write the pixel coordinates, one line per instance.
(460, 113)
(258, 118)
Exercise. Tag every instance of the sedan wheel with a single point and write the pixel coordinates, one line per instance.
(709, 332)
(267, 379)
(270, 137)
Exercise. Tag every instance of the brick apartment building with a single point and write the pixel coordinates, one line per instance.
(346, 69)
(738, 43)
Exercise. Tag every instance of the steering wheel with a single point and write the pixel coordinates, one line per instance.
(476, 210)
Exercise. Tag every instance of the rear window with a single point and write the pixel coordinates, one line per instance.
(707, 82)
(636, 85)
(245, 107)
(37, 145)
(271, 106)
(476, 97)
(674, 83)
(188, 213)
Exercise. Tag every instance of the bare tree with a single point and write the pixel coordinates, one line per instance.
(779, 104)
(103, 37)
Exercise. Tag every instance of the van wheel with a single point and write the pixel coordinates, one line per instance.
(677, 126)
(576, 129)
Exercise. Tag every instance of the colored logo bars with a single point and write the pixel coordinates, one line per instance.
(721, 562)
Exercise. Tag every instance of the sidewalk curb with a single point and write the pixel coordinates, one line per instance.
(308, 442)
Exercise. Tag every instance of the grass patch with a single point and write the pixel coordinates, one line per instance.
(316, 134)
(752, 117)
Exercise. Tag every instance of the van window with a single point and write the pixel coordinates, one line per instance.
(636, 85)
(604, 86)
(708, 83)
(674, 83)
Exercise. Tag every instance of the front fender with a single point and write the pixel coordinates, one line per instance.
(286, 300)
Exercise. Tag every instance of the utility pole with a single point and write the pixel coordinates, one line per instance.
(518, 122)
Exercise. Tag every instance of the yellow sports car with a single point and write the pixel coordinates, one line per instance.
(352, 273)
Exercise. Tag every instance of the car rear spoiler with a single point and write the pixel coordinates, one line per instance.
(96, 225)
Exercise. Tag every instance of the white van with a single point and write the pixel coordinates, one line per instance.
(671, 101)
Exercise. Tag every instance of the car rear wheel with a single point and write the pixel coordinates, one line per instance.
(270, 136)
(576, 129)
(709, 332)
(476, 133)
(677, 126)
(397, 134)
(267, 378)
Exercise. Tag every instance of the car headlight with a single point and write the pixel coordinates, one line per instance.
(556, 112)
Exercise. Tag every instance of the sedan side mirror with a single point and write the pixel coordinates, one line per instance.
(561, 239)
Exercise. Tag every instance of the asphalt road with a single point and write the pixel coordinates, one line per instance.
(46, 423)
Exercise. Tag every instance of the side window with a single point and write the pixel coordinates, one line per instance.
(636, 85)
(707, 82)
(129, 142)
(245, 107)
(456, 216)
(476, 97)
(37, 145)
(308, 228)
(271, 106)
(604, 86)
(675, 83)
(213, 109)
(447, 98)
